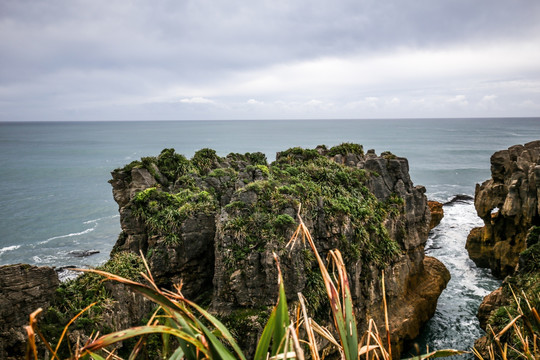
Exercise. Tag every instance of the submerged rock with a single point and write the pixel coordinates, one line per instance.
(461, 198)
(83, 253)
(213, 223)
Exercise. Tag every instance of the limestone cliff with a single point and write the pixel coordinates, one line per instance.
(213, 222)
(509, 244)
(508, 204)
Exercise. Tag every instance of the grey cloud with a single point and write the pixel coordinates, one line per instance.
(80, 51)
(234, 34)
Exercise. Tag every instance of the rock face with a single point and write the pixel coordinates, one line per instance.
(437, 213)
(23, 289)
(509, 243)
(508, 204)
(213, 223)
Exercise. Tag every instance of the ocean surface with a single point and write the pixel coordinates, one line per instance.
(55, 200)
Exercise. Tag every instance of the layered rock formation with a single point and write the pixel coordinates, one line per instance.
(509, 244)
(508, 204)
(500, 307)
(23, 289)
(212, 223)
(437, 213)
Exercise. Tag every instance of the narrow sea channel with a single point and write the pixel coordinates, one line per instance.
(455, 324)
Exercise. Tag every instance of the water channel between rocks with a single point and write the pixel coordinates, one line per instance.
(454, 324)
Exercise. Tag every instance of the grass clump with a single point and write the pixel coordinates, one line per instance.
(346, 148)
(80, 293)
(204, 160)
(325, 188)
(163, 213)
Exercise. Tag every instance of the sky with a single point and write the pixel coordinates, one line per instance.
(72, 60)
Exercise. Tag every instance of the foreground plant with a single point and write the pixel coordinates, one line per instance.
(196, 334)
(521, 334)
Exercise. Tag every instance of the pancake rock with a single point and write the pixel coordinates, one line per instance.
(213, 223)
(508, 204)
(437, 213)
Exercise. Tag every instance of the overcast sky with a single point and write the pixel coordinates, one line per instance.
(275, 59)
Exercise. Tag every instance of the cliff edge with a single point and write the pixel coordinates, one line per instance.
(509, 244)
(508, 203)
(212, 223)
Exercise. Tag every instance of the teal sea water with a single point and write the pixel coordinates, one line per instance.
(55, 198)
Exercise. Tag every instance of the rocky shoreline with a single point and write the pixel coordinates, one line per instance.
(509, 242)
(235, 211)
(212, 223)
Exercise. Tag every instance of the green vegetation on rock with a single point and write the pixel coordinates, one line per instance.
(74, 295)
(262, 208)
(522, 291)
(163, 212)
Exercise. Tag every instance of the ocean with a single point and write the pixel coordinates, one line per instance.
(56, 201)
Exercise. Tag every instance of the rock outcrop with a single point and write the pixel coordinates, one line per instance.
(437, 213)
(23, 289)
(499, 308)
(509, 244)
(508, 203)
(213, 223)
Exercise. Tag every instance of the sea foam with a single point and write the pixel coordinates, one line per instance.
(67, 235)
(9, 248)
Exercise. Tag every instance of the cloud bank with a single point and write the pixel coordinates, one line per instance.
(208, 59)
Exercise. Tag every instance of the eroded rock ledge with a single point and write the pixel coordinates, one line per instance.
(213, 222)
(508, 204)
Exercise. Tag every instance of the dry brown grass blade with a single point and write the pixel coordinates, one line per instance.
(313, 348)
(331, 290)
(139, 344)
(496, 339)
(536, 351)
(32, 329)
(67, 326)
(296, 343)
(149, 277)
(32, 348)
(386, 326)
(108, 276)
(507, 327)
(520, 311)
(325, 333)
(477, 354)
(367, 337)
(366, 349)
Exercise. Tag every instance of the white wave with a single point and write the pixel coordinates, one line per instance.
(101, 218)
(9, 248)
(68, 235)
